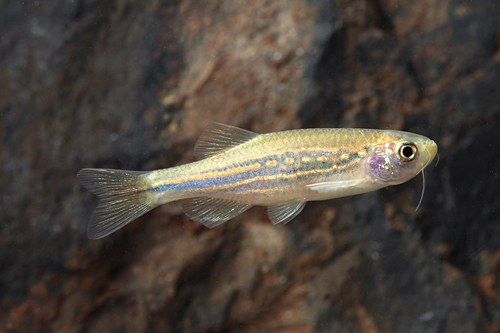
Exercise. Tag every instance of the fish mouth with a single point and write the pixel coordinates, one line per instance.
(431, 149)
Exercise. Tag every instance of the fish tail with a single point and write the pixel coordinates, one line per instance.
(123, 197)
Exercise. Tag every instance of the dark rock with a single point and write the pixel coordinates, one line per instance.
(131, 84)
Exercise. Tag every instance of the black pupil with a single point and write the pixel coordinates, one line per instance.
(407, 152)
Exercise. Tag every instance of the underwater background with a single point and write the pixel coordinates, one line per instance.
(130, 84)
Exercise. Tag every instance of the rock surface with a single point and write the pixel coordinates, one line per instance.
(131, 84)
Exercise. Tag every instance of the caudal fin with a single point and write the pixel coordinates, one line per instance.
(123, 198)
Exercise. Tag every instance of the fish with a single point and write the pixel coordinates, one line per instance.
(238, 169)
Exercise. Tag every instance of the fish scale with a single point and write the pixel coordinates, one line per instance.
(239, 169)
(240, 165)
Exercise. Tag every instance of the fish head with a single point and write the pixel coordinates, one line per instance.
(399, 156)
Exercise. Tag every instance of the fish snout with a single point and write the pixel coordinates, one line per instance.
(431, 149)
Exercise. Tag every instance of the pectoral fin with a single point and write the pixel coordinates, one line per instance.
(330, 186)
(211, 211)
(284, 212)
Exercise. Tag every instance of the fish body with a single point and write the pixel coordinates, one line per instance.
(239, 169)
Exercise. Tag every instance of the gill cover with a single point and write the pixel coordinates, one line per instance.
(391, 163)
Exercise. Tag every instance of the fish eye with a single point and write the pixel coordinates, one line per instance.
(406, 151)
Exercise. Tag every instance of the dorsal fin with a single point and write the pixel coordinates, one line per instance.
(217, 138)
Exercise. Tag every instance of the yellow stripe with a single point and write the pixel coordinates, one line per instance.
(281, 176)
(296, 151)
(210, 174)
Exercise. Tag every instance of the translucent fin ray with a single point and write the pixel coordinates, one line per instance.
(217, 138)
(284, 212)
(122, 199)
(211, 211)
(325, 187)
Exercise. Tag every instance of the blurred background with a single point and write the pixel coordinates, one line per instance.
(130, 84)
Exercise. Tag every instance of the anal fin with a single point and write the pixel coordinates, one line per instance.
(284, 212)
(212, 211)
